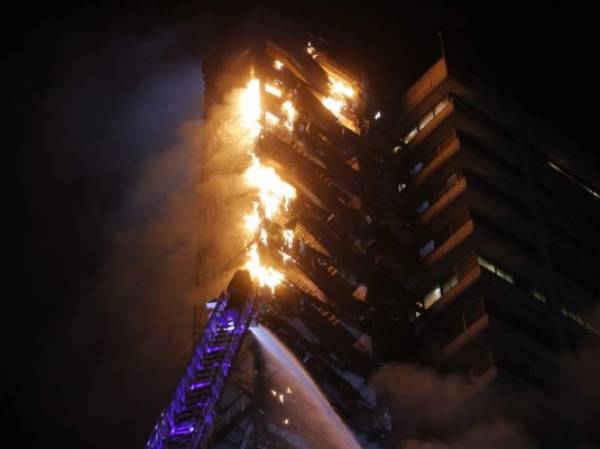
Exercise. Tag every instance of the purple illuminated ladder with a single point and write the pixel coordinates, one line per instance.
(188, 420)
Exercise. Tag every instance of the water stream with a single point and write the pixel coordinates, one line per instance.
(314, 425)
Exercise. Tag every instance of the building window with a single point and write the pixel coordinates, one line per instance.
(494, 269)
(413, 132)
(504, 275)
(423, 207)
(452, 179)
(538, 295)
(417, 168)
(427, 248)
(425, 120)
(441, 106)
(436, 293)
(485, 264)
(449, 283)
(432, 297)
(570, 177)
(575, 317)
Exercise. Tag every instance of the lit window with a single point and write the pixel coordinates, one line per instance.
(557, 168)
(427, 248)
(504, 275)
(273, 90)
(423, 207)
(452, 179)
(538, 295)
(572, 178)
(575, 317)
(485, 264)
(587, 189)
(494, 269)
(450, 283)
(413, 132)
(417, 168)
(425, 120)
(432, 297)
(440, 106)
(271, 118)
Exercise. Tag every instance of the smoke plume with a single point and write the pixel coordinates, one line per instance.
(434, 411)
(138, 205)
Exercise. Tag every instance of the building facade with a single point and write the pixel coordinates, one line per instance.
(504, 216)
(452, 230)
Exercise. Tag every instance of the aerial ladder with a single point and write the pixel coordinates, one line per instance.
(189, 419)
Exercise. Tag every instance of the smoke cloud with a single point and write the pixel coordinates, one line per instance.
(154, 229)
(434, 411)
(431, 411)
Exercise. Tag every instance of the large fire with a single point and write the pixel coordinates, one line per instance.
(341, 95)
(249, 108)
(338, 101)
(274, 195)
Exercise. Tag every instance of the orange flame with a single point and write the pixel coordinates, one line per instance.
(274, 194)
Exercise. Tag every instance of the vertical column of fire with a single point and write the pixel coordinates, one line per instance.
(273, 195)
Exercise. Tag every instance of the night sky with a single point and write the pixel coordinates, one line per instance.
(95, 330)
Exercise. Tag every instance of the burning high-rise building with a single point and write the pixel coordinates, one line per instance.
(450, 231)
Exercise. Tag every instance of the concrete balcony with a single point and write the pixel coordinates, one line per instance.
(485, 379)
(467, 336)
(444, 154)
(456, 239)
(440, 204)
(466, 280)
(428, 129)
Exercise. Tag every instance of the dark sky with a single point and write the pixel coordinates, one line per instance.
(99, 91)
